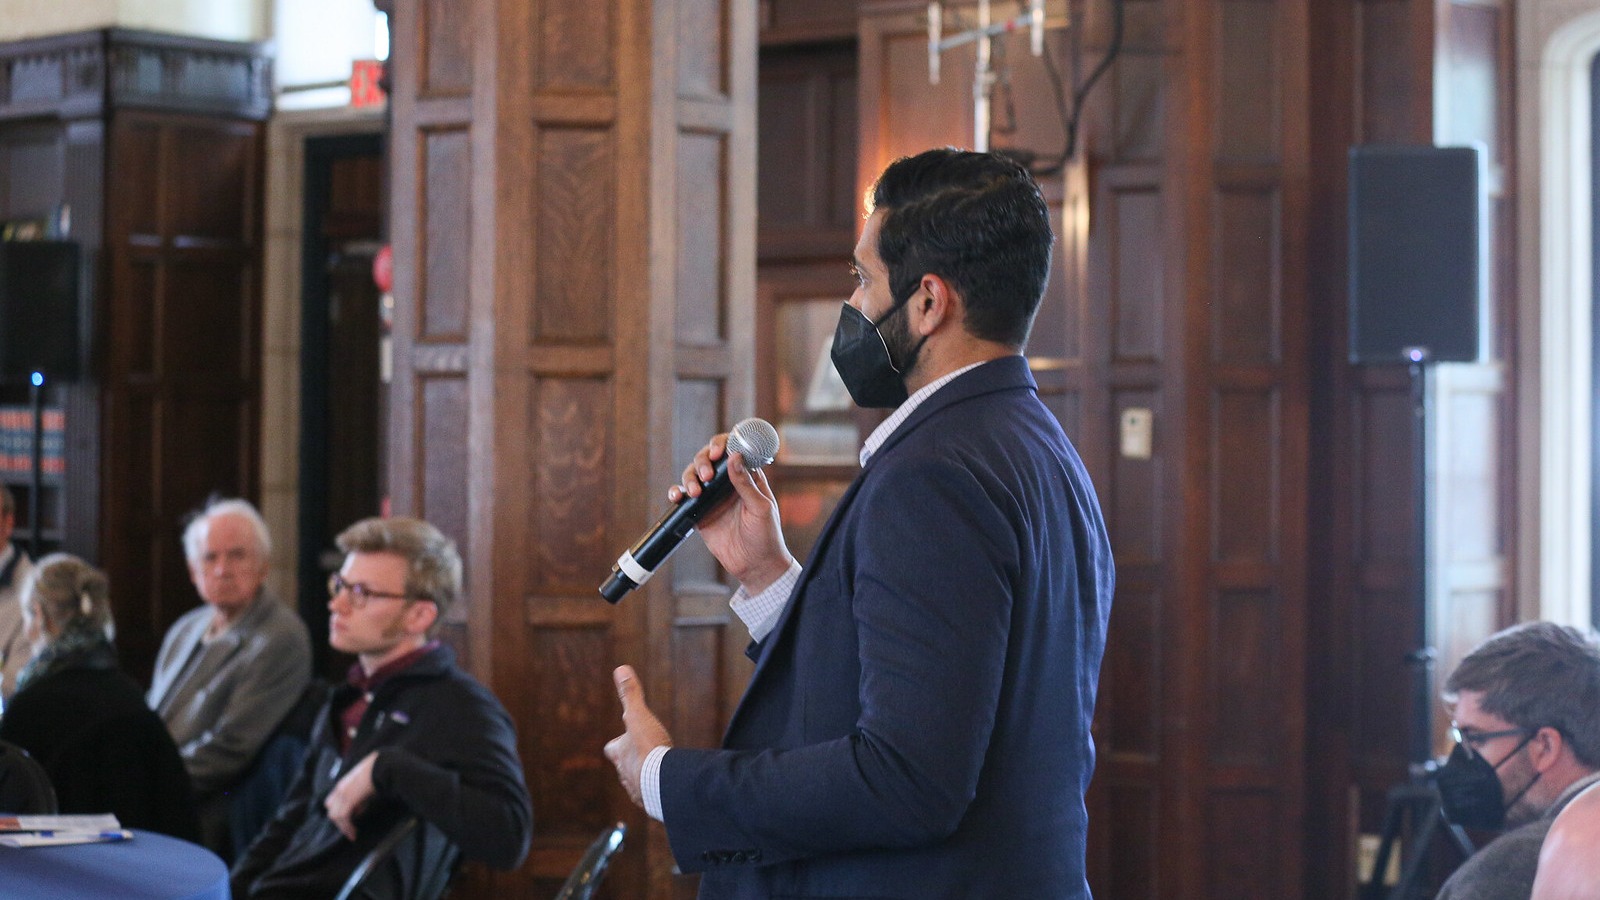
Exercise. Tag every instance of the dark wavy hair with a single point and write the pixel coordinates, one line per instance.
(978, 221)
(1539, 674)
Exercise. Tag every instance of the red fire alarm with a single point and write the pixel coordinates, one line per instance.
(383, 269)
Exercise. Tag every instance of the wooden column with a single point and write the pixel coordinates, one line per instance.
(574, 276)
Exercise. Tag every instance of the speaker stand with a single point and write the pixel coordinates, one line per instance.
(36, 499)
(1420, 660)
(1418, 802)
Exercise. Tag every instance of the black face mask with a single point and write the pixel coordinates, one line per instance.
(1471, 791)
(862, 357)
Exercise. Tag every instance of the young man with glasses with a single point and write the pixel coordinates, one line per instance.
(1527, 729)
(410, 734)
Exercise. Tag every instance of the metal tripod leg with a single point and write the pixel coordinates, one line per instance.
(1418, 803)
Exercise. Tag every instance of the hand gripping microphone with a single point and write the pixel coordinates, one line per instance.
(757, 442)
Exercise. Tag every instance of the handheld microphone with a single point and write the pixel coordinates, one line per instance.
(754, 439)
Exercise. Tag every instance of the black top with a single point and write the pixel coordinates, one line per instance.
(447, 754)
(105, 751)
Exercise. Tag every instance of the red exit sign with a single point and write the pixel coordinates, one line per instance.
(366, 77)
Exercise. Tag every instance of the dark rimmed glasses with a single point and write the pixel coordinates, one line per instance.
(360, 594)
(1472, 740)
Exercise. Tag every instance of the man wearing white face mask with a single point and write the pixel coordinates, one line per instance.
(1527, 728)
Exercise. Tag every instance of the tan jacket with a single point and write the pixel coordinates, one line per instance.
(14, 649)
(240, 688)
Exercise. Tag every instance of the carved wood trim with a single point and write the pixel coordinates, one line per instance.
(87, 73)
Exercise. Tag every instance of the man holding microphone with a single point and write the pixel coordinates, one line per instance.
(918, 721)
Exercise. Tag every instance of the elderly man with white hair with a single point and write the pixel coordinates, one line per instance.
(231, 669)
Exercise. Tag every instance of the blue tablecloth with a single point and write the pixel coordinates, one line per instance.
(149, 866)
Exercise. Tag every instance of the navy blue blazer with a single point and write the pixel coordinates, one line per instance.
(917, 725)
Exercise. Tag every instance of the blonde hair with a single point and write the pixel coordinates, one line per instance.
(433, 566)
(69, 593)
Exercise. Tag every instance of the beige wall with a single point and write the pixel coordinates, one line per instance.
(233, 20)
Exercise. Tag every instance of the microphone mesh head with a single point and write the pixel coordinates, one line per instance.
(756, 440)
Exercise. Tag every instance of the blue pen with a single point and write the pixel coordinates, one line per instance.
(102, 835)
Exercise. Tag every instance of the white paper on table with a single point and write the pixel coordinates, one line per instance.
(60, 838)
(94, 823)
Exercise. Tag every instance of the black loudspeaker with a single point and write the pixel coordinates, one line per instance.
(1416, 254)
(39, 310)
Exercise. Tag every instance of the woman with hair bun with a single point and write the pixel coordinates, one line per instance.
(83, 719)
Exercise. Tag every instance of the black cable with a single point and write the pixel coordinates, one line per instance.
(1070, 123)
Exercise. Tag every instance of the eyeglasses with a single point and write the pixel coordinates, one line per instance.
(360, 594)
(1472, 741)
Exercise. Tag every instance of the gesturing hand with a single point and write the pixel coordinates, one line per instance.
(642, 733)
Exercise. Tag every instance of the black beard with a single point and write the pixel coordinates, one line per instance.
(897, 338)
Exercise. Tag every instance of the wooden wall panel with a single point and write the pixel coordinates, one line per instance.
(577, 47)
(810, 203)
(140, 151)
(808, 148)
(570, 783)
(567, 460)
(208, 339)
(702, 216)
(1136, 221)
(1247, 471)
(894, 77)
(447, 199)
(1381, 699)
(787, 21)
(139, 311)
(1407, 72)
(574, 235)
(1250, 115)
(445, 36)
(1139, 117)
(1250, 729)
(1386, 520)
(208, 204)
(1394, 80)
(442, 463)
(1242, 823)
(696, 656)
(1247, 315)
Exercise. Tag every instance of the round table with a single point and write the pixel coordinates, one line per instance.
(149, 866)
